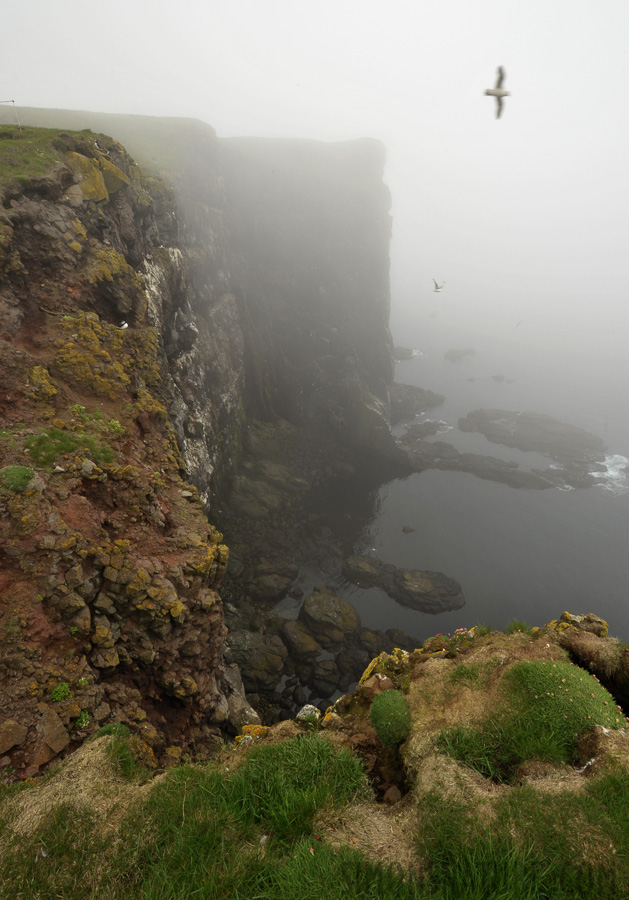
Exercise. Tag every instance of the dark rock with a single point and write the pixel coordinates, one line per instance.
(402, 353)
(431, 592)
(12, 734)
(457, 354)
(260, 658)
(330, 618)
(52, 738)
(300, 642)
(408, 400)
(535, 431)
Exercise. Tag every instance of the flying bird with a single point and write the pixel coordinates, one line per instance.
(438, 287)
(122, 326)
(498, 91)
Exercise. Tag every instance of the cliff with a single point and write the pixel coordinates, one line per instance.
(255, 288)
(286, 245)
(109, 568)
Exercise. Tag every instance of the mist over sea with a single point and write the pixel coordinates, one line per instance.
(525, 554)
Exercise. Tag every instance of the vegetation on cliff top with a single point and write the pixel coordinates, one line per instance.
(288, 813)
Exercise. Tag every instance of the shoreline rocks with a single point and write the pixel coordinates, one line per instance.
(426, 591)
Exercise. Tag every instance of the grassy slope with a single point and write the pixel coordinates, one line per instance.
(290, 815)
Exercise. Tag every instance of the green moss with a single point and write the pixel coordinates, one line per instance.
(50, 444)
(16, 478)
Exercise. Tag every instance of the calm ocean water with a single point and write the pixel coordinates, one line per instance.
(517, 553)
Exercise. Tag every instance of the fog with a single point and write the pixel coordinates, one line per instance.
(523, 217)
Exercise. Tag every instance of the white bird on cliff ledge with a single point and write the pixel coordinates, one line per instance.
(498, 91)
(438, 287)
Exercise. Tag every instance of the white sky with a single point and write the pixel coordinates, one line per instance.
(523, 217)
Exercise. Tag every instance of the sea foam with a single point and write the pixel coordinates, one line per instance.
(615, 479)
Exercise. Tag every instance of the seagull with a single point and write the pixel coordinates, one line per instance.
(438, 287)
(498, 91)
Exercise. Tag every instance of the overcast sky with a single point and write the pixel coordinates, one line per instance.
(525, 217)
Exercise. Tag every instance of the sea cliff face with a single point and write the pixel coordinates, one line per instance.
(109, 568)
(255, 288)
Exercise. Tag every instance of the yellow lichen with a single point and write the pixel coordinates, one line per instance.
(42, 385)
(107, 264)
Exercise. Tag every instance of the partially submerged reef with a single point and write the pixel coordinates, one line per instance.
(481, 762)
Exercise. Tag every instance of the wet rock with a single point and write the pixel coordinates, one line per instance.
(299, 695)
(407, 401)
(535, 431)
(427, 591)
(325, 677)
(299, 640)
(330, 618)
(260, 658)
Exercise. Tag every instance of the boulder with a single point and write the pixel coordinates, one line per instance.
(260, 657)
(52, 738)
(299, 640)
(12, 734)
(330, 618)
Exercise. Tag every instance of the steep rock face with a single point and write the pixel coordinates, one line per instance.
(108, 566)
(286, 245)
(312, 228)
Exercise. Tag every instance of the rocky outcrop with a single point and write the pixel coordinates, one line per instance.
(407, 401)
(109, 568)
(429, 592)
(535, 431)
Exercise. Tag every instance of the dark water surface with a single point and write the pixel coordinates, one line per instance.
(517, 553)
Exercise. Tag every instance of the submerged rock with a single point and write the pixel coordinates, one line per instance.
(430, 592)
(330, 618)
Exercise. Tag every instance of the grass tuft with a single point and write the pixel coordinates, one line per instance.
(548, 705)
(391, 717)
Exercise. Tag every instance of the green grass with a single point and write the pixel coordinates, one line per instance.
(205, 831)
(534, 849)
(52, 443)
(208, 832)
(517, 626)
(27, 153)
(391, 717)
(16, 478)
(466, 674)
(547, 706)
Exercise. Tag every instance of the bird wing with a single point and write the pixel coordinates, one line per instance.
(500, 77)
(436, 285)
(498, 106)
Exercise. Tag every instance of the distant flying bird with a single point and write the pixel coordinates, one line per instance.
(498, 91)
(122, 326)
(438, 287)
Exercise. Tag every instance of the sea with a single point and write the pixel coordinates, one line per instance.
(517, 553)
